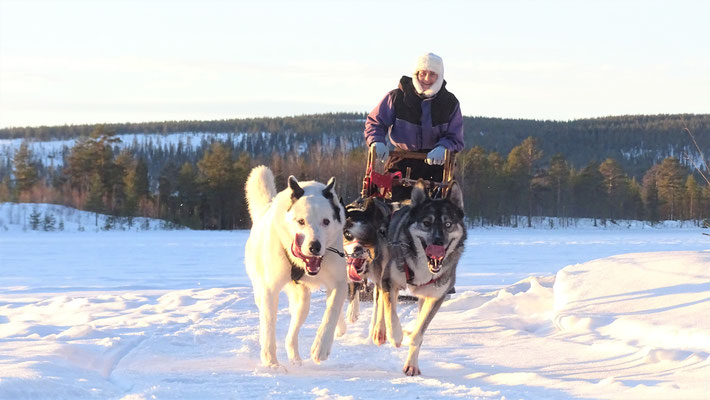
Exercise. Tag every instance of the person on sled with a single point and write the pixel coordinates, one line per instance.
(420, 115)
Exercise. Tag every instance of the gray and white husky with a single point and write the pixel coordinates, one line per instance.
(287, 250)
(427, 240)
(366, 250)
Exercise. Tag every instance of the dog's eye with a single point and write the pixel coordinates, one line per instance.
(347, 235)
(301, 222)
(427, 224)
(448, 224)
(326, 221)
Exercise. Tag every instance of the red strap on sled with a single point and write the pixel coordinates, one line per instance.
(383, 181)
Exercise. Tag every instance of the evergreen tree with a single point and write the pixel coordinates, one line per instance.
(521, 167)
(142, 181)
(123, 199)
(93, 157)
(693, 198)
(217, 176)
(166, 188)
(633, 206)
(48, 223)
(35, 219)
(130, 204)
(476, 173)
(188, 196)
(25, 169)
(5, 189)
(650, 195)
(94, 199)
(240, 214)
(559, 174)
(614, 182)
(588, 190)
(670, 180)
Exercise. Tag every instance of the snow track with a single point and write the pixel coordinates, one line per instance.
(171, 315)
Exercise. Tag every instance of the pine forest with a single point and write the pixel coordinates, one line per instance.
(648, 168)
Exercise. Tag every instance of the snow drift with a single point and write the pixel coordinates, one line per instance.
(156, 314)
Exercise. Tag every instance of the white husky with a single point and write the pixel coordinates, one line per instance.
(288, 249)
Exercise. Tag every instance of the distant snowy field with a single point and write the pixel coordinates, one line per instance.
(145, 313)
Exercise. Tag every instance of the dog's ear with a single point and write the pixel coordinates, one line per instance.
(419, 194)
(328, 191)
(455, 195)
(296, 190)
(373, 209)
(383, 208)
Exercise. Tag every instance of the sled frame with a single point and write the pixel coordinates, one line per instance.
(436, 189)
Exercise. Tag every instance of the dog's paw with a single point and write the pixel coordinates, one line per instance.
(411, 370)
(352, 315)
(396, 338)
(319, 352)
(296, 362)
(379, 337)
(275, 367)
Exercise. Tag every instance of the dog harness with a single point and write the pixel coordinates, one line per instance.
(382, 181)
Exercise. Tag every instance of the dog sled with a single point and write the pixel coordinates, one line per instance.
(381, 184)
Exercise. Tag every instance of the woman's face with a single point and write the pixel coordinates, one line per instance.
(427, 78)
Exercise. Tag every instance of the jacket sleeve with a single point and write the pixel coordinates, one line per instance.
(453, 139)
(379, 121)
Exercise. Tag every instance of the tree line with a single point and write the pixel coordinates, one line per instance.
(636, 142)
(204, 189)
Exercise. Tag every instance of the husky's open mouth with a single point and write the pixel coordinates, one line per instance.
(435, 255)
(312, 262)
(356, 267)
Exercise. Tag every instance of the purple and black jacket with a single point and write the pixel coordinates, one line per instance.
(416, 123)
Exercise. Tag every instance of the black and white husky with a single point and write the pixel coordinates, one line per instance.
(427, 239)
(287, 250)
(366, 250)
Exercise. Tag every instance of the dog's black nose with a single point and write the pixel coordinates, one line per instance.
(314, 247)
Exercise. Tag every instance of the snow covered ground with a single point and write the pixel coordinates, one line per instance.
(555, 314)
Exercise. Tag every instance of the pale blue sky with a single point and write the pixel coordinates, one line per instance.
(75, 62)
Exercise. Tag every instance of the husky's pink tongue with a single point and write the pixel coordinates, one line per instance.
(435, 252)
(312, 263)
(355, 265)
(352, 274)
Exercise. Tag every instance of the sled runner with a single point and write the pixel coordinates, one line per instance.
(381, 184)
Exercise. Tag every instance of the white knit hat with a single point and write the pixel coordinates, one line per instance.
(429, 62)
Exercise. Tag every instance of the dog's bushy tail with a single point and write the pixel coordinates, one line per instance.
(260, 190)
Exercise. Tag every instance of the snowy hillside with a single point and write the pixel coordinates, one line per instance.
(53, 217)
(52, 152)
(170, 314)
